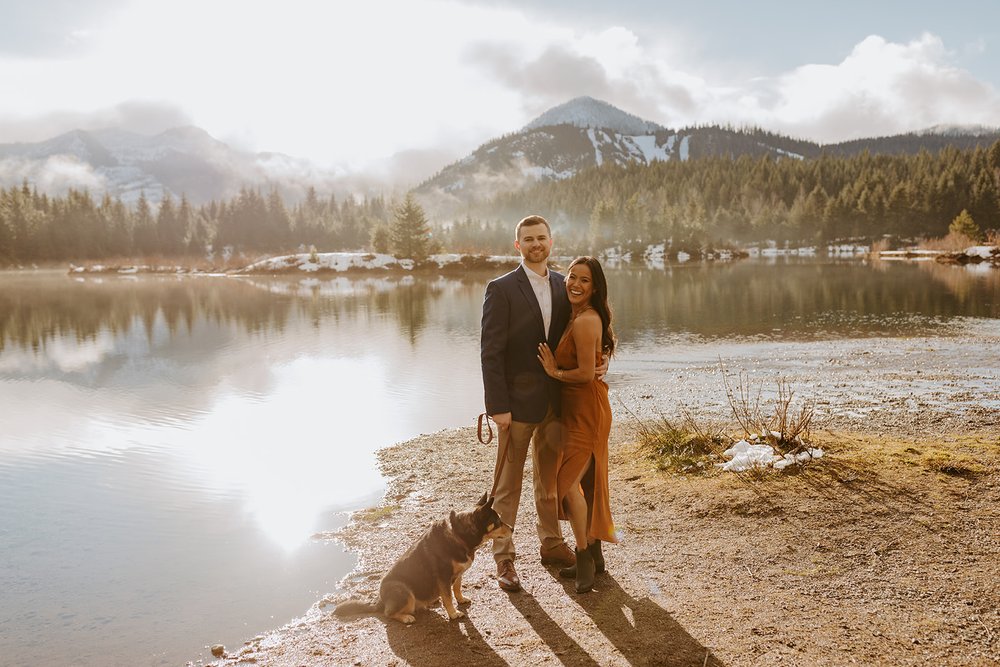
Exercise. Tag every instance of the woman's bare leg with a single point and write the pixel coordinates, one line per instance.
(579, 516)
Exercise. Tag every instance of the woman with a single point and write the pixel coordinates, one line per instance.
(586, 417)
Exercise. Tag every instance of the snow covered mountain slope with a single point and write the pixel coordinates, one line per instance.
(588, 112)
(586, 133)
(577, 135)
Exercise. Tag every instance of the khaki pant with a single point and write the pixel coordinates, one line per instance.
(545, 439)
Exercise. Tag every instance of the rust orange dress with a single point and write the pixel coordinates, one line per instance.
(586, 425)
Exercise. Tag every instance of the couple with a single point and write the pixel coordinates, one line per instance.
(543, 342)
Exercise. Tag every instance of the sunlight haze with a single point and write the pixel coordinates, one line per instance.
(390, 86)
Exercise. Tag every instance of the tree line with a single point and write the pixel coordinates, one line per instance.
(719, 200)
(37, 227)
(697, 203)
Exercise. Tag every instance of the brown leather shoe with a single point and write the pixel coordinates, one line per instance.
(560, 555)
(507, 576)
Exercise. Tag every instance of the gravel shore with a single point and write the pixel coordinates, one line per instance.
(886, 551)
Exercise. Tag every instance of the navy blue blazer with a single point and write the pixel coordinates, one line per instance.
(513, 379)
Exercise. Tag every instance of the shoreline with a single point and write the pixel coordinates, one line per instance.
(885, 551)
(724, 568)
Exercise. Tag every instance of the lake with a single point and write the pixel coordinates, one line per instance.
(170, 445)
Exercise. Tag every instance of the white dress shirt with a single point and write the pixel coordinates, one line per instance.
(543, 293)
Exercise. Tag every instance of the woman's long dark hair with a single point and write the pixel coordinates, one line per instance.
(599, 301)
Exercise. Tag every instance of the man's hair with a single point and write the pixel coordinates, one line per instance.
(531, 220)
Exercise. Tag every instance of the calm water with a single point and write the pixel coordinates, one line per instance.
(168, 446)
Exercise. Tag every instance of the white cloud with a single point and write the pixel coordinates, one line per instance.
(351, 85)
(53, 175)
(880, 88)
(134, 116)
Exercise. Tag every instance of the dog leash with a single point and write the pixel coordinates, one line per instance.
(487, 439)
(485, 418)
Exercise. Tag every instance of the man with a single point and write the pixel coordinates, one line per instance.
(522, 309)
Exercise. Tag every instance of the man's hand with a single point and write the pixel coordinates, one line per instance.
(602, 370)
(502, 420)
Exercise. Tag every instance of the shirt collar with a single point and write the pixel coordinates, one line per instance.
(534, 276)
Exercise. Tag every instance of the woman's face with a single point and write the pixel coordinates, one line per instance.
(579, 285)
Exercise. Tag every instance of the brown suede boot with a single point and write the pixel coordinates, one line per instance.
(599, 568)
(595, 551)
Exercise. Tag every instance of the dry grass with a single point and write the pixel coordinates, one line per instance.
(880, 245)
(376, 514)
(960, 456)
(685, 446)
(953, 242)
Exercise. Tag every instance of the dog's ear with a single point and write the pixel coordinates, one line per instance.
(451, 518)
(482, 501)
(489, 503)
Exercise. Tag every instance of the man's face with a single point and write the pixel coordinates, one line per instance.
(534, 243)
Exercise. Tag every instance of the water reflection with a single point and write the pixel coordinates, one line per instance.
(792, 298)
(186, 437)
(170, 444)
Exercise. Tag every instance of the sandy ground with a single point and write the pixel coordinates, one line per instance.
(886, 551)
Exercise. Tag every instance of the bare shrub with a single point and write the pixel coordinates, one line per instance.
(786, 425)
(880, 245)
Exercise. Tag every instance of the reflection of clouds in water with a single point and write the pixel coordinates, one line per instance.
(284, 415)
(62, 354)
(307, 446)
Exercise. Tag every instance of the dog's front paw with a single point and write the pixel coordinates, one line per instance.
(456, 615)
(407, 618)
(461, 599)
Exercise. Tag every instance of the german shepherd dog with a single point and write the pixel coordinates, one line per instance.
(432, 568)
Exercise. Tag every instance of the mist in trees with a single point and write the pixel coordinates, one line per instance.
(697, 203)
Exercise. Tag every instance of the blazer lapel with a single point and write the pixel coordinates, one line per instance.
(560, 310)
(529, 295)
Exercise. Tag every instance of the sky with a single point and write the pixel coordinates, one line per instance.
(406, 86)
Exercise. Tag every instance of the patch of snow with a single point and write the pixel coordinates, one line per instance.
(847, 249)
(789, 154)
(685, 143)
(597, 148)
(983, 251)
(650, 151)
(918, 252)
(745, 455)
(547, 172)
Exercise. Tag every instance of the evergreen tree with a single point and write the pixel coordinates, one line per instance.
(381, 241)
(170, 229)
(410, 235)
(144, 229)
(993, 161)
(964, 224)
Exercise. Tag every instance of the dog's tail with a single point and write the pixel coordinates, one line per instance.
(349, 607)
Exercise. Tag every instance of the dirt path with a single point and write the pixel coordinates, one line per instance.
(886, 551)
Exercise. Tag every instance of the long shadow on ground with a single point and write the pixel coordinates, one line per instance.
(434, 641)
(642, 631)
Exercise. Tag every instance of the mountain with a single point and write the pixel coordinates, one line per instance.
(588, 112)
(182, 160)
(585, 133)
(580, 134)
